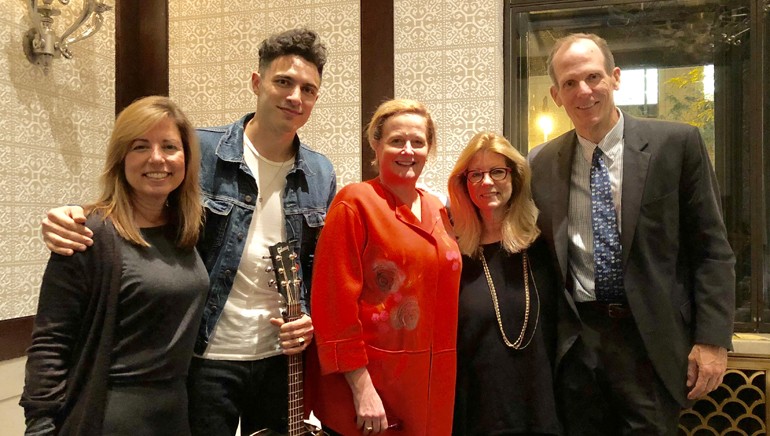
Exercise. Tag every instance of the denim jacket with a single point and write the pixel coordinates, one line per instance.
(229, 196)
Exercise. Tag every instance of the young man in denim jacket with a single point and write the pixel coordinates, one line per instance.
(260, 186)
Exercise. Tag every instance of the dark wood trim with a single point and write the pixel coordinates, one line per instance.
(141, 50)
(377, 68)
(15, 337)
(757, 187)
(508, 82)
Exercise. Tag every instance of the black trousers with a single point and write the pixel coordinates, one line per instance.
(221, 391)
(607, 385)
(156, 408)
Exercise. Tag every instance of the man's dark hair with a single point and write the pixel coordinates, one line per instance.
(301, 42)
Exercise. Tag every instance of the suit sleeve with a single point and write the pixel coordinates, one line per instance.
(337, 286)
(61, 306)
(711, 258)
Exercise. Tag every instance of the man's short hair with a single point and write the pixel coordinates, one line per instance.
(300, 41)
(566, 41)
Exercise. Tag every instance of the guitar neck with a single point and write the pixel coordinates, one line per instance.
(286, 268)
(296, 395)
(296, 385)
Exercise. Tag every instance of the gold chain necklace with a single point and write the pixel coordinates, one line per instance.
(516, 345)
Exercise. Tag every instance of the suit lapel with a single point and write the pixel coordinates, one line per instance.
(635, 165)
(560, 177)
(562, 172)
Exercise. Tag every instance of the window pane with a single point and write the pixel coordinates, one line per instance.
(680, 60)
(640, 87)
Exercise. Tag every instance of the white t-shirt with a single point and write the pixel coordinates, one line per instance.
(243, 331)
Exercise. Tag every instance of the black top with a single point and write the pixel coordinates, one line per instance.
(161, 298)
(501, 390)
(76, 332)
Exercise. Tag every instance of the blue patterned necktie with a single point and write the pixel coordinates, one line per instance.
(608, 271)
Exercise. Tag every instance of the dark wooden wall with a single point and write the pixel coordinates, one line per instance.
(377, 69)
(141, 50)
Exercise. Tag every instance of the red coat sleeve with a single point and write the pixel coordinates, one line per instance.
(337, 286)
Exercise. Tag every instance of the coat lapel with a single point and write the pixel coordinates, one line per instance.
(562, 171)
(568, 318)
(635, 165)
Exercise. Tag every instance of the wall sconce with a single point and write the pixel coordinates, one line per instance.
(545, 120)
(41, 44)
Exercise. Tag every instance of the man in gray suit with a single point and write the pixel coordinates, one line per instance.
(650, 283)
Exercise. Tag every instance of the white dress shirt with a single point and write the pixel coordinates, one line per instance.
(579, 228)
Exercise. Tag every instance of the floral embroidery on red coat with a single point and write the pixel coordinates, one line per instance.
(405, 315)
(385, 279)
(389, 308)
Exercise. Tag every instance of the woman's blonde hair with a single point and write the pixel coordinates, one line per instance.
(391, 108)
(519, 225)
(183, 203)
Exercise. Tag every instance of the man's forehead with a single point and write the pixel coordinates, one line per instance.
(294, 65)
(578, 56)
(579, 47)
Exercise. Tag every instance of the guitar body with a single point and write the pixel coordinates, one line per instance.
(309, 430)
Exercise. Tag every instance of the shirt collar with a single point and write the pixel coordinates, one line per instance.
(611, 144)
(231, 145)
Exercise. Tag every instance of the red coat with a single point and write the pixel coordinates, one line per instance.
(384, 296)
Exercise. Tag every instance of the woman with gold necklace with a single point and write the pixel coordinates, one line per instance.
(507, 329)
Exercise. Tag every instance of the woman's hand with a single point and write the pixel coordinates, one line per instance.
(370, 413)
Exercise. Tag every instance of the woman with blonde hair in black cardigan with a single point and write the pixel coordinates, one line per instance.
(506, 330)
(115, 325)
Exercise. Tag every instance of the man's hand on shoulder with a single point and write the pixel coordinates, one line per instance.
(705, 369)
(64, 230)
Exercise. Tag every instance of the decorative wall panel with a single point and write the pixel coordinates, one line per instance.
(53, 132)
(448, 54)
(213, 50)
(737, 407)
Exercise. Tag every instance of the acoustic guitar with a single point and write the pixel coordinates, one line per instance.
(286, 279)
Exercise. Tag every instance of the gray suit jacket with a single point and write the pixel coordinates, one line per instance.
(678, 267)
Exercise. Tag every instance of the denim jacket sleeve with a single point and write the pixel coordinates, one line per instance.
(313, 202)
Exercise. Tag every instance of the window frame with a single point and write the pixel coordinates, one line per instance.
(516, 119)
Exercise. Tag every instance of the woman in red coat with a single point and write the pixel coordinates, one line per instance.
(384, 294)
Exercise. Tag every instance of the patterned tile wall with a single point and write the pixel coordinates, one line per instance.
(53, 129)
(213, 50)
(449, 55)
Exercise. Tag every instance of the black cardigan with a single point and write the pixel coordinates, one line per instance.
(65, 387)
